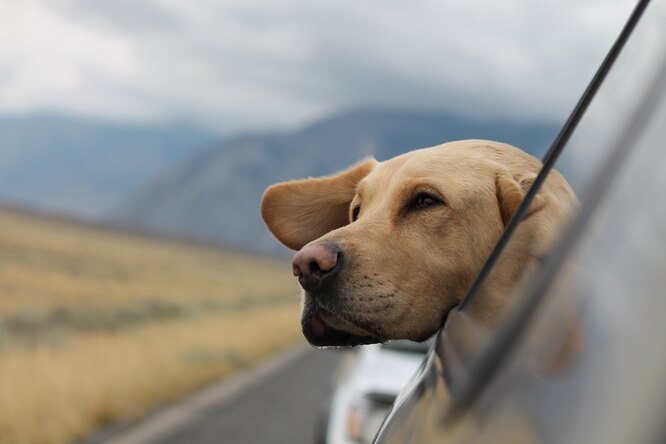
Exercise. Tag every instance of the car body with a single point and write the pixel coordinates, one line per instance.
(579, 357)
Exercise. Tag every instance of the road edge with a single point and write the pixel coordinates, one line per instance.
(171, 418)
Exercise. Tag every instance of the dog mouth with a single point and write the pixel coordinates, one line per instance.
(324, 329)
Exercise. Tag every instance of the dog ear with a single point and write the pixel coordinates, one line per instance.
(301, 211)
(511, 191)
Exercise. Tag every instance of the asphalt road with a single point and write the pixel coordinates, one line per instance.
(279, 404)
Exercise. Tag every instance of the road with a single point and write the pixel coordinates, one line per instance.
(278, 402)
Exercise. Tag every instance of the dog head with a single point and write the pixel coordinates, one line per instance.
(386, 249)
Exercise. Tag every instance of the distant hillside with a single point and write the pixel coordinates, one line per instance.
(84, 167)
(215, 195)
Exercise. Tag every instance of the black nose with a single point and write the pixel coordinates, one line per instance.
(316, 264)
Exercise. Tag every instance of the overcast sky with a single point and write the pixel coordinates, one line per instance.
(253, 64)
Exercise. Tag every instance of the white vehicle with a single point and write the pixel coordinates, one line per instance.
(367, 382)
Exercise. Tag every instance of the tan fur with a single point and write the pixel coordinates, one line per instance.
(405, 270)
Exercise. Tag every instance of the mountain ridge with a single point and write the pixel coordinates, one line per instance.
(83, 166)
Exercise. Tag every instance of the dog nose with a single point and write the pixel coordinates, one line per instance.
(314, 263)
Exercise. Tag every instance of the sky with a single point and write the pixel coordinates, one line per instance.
(239, 65)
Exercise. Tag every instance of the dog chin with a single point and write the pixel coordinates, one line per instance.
(322, 329)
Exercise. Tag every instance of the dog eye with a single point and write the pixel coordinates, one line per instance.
(424, 200)
(355, 211)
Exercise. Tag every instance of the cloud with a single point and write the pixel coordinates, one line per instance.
(240, 64)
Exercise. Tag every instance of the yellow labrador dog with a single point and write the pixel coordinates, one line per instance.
(387, 249)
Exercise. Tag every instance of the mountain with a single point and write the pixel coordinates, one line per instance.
(215, 195)
(84, 167)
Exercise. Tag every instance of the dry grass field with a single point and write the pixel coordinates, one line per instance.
(99, 326)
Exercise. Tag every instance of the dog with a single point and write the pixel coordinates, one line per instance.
(387, 249)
